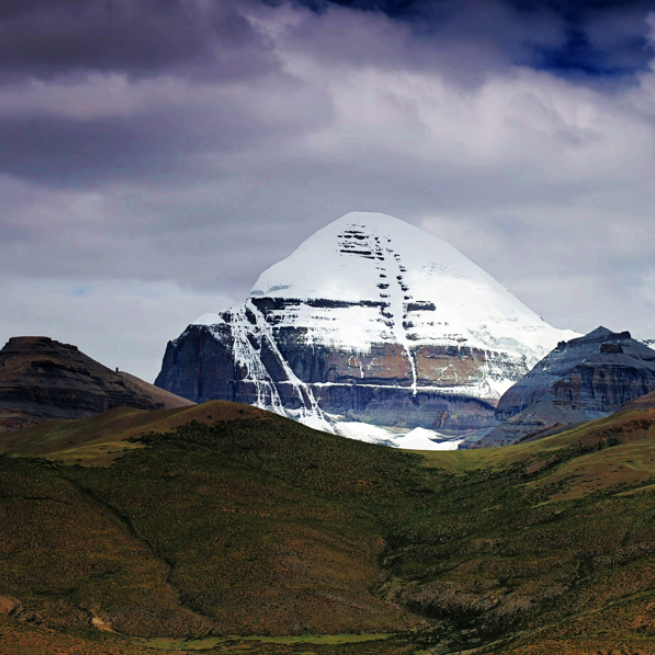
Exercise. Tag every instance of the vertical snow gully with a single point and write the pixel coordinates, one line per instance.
(397, 307)
(312, 415)
(370, 281)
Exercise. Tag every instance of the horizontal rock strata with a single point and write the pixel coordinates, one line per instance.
(580, 380)
(42, 379)
(370, 320)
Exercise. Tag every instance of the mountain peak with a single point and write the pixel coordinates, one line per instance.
(595, 337)
(370, 320)
(425, 289)
(599, 331)
(348, 258)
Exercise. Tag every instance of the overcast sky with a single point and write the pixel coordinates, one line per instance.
(157, 155)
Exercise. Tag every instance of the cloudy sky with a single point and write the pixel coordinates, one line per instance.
(157, 155)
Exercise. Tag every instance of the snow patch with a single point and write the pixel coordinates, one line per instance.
(431, 294)
(365, 432)
(416, 439)
(423, 439)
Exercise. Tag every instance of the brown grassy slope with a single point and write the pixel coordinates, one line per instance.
(549, 545)
(263, 525)
(102, 438)
(643, 402)
(42, 379)
(64, 555)
(585, 435)
(27, 639)
(180, 536)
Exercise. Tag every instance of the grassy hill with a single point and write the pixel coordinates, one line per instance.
(134, 532)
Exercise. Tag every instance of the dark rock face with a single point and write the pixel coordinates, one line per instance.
(199, 366)
(582, 379)
(42, 379)
(207, 362)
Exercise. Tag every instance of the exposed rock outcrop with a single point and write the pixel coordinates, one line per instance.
(12, 607)
(42, 379)
(370, 320)
(580, 380)
(302, 380)
(646, 401)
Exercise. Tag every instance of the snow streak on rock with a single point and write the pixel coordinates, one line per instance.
(250, 332)
(425, 293)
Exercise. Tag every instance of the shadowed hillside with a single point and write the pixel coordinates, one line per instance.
(260, 526)
(101, 439)
(42, 379)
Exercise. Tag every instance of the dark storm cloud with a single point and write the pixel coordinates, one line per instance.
(594, 37)
(45, 38)
(154, 146)
(204, 40)
(149, 137)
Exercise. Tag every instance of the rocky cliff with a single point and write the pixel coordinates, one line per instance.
(370, 320)
(583, 379)
(42, 379)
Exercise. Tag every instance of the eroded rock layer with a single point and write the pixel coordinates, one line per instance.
(580, 380)
(303, 381)
(42, 379)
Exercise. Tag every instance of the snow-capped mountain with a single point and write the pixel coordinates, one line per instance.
(371, 320)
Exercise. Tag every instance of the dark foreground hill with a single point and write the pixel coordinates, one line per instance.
(42, 379)
(244, 532)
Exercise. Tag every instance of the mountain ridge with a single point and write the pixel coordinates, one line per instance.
(370, 320)
(42, 379)
(583, 379)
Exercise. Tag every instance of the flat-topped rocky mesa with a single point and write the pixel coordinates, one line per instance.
(583, 379)
(370, 320)
(42, 379)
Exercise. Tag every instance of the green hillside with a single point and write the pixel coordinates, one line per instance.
(243, 532)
